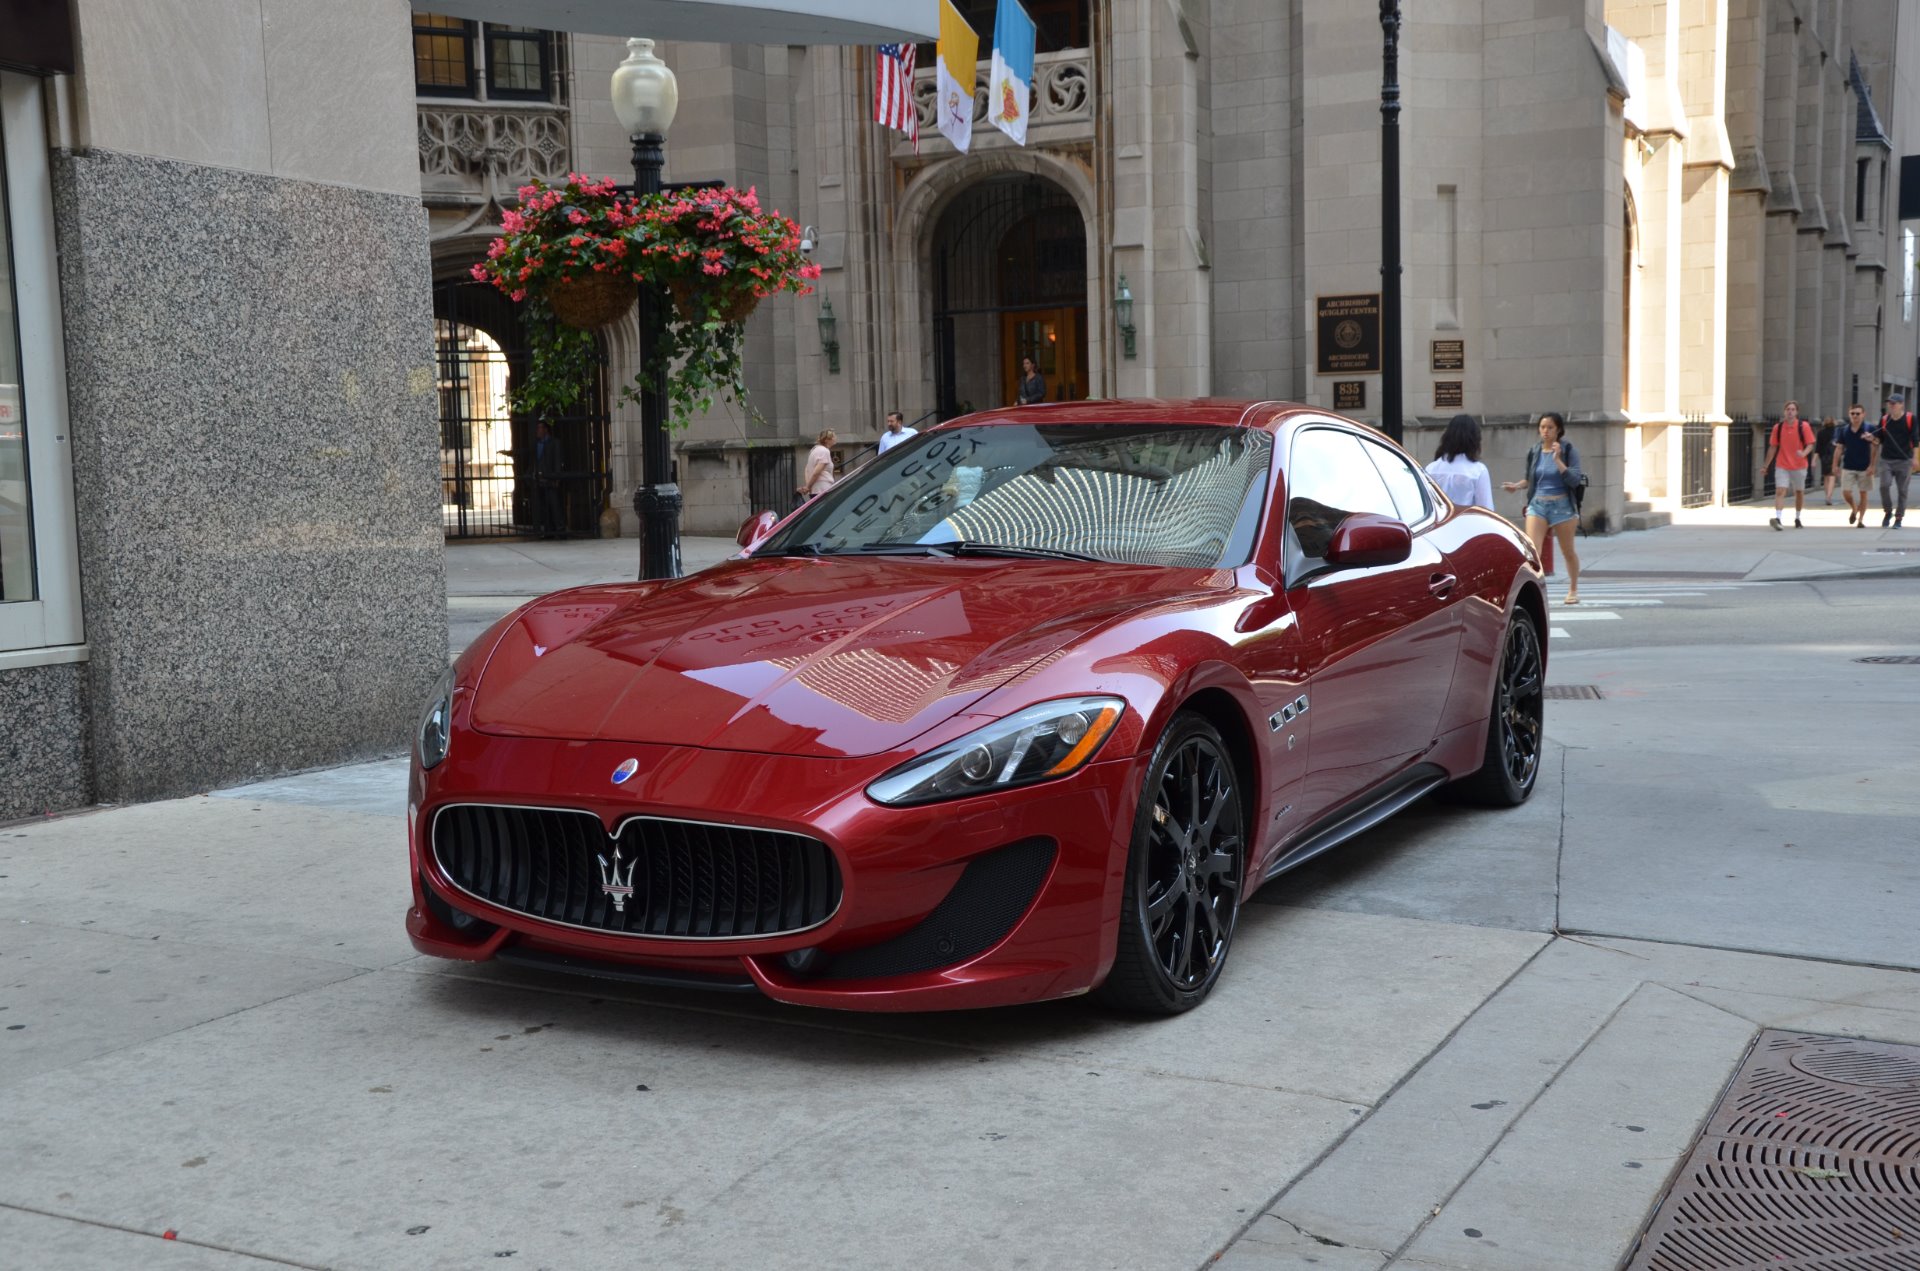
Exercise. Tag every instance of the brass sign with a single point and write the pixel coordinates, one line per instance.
(1349, 334)
(1449, 355)
(1449, 393)
(1349, 394)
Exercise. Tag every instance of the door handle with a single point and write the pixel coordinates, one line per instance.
(1441, 584)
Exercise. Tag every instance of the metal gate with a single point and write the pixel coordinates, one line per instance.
(487, 450)
(770, 481)
(1696, 462)
(1740, 460)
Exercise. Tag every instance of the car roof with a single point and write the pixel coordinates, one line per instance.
(1214, 412)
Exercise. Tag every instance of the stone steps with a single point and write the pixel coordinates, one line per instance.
(1635, 515)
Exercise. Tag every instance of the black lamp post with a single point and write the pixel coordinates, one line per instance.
(645, 97)
(1390, 362)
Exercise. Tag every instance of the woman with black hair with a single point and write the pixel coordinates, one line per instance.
(1553, 473)
(1457, 469)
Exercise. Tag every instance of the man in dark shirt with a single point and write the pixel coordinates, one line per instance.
(1853, 446)
(1899, 459)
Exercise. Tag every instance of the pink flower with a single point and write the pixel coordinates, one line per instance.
(714, 269)
(479, 273)
(518, 295)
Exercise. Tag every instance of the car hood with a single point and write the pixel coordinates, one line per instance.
(818, 657)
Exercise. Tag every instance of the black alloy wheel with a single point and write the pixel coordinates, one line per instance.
(1184, 874)
(1515, 729)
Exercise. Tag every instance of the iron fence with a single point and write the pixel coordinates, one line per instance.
(1740, 460)
(770, 481)
(1696, 462)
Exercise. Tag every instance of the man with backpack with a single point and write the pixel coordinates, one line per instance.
(1792, 440)
(1854, 447)
(1899, 459)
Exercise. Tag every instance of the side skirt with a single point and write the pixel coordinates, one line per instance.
(1360, 815)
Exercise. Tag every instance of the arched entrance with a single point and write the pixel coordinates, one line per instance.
(1009, 265)
(488, 487)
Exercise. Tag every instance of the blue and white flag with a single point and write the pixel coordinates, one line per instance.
(1010, 81)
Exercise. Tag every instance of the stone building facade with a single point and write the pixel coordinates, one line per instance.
(218, 536)
(1661, 218)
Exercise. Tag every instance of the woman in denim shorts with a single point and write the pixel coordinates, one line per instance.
(1553, 473)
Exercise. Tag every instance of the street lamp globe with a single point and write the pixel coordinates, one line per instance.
(645, 94)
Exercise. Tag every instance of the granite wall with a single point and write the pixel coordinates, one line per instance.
(250, 363)
(43, 743)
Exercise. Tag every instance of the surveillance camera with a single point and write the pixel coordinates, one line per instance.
(807, 236)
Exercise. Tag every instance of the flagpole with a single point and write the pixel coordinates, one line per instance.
(1390, 360)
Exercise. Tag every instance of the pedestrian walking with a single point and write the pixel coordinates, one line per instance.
(1899, 459)
(1553, 474)
(897, 431)
(1456, 466)
(1033, 386)
(1854, 447)
(1788, 447)
(1823, 450)
(819, 470)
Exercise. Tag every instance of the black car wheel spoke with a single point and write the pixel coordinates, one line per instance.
(1193, 863)
(1520, 703)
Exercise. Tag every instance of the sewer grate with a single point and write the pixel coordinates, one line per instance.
(1571, 693)
(1811, 1160)
(1891, 659)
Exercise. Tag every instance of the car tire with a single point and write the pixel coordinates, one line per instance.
(1510, 763)
(1185, 874)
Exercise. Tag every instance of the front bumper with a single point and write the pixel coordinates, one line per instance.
(898, 866)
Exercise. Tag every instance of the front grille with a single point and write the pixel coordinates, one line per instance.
(690, 879)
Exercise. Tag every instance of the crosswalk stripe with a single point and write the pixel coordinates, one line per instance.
(1557, 633)
(1584, 615)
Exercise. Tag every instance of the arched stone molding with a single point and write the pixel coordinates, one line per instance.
(918, 214)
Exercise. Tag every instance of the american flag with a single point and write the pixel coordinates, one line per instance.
(893, 90)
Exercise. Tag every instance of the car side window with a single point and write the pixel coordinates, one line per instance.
(1408, 487)
(1328, 479)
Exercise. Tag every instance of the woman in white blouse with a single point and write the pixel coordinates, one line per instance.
(819, 470)
(1457, 469)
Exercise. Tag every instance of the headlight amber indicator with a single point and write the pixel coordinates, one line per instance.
(1096, 732)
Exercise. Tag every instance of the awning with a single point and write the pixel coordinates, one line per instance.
(714, 21)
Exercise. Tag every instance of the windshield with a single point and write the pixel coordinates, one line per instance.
(1149, 494)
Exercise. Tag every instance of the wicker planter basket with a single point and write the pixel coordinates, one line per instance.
(736, 310)
(592, 301)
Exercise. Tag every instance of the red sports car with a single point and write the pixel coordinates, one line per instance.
(1026, 707)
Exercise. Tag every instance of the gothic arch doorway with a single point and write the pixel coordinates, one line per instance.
(1009, 281)
(489, 486)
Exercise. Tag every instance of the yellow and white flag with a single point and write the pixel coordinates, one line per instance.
(958, 50)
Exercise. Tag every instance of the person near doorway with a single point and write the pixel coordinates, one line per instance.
(1033, 387)
(1788, 446)
(1823, 450)
(1457, 469)
(1553, 473)
(546, 480)
(1899, 459)
(897, 431)
(819, 470)
(1854, 447)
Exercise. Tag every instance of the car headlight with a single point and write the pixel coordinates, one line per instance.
(1037, 744)
(436, 723)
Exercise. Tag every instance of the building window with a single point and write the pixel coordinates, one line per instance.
(518, 65)
(1860, 169)
(1906, 275)
(39, 553)
(442, 56)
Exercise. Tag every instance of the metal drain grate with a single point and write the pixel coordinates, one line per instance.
(1571, 693)
(1811, 1160)
(1891, 659)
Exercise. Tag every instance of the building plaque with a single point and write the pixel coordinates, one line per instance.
(1349, 394)
(1349, 331)
(1449, 355)
(1449, 393)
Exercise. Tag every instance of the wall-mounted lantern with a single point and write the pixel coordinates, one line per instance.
(1123, 314)
(829, 343)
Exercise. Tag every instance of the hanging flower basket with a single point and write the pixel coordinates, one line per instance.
(592, 301)
(573, 253)
(687, 302)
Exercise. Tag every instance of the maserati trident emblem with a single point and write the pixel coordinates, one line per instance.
(626, 769)
(615, 884)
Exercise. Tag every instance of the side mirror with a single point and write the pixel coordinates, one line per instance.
(755, 528)
(1366, 538)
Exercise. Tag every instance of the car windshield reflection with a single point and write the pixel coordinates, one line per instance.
(1148, 494)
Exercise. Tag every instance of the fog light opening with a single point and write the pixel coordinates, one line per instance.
(804, 963)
